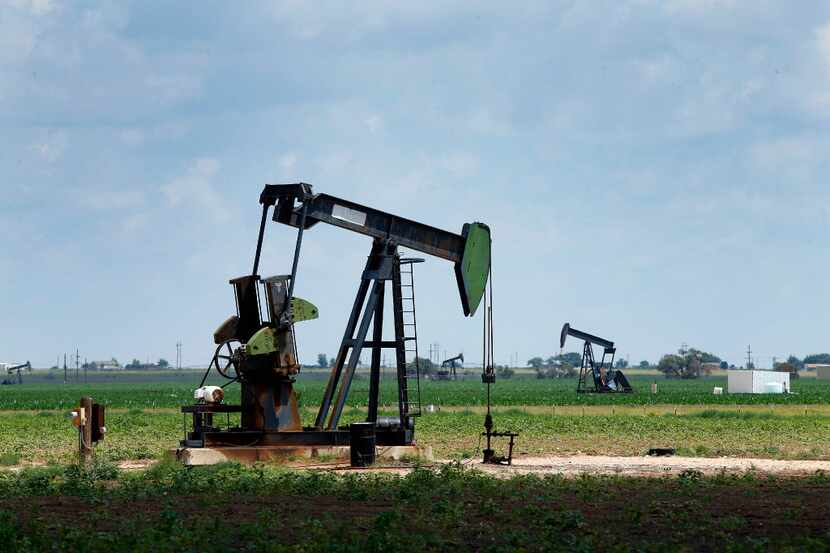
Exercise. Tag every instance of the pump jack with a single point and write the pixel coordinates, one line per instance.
(604, 380)
(262, 355)
(448, 368)
(11, 368)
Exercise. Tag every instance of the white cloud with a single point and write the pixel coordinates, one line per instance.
(195, 187)
(36, 7)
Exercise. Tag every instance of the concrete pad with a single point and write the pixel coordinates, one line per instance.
(293, 455)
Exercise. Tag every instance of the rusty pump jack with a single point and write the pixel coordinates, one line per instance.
(262, 355)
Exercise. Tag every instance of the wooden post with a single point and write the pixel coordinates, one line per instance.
(85, 430)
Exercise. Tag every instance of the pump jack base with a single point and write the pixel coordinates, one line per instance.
(292, 454)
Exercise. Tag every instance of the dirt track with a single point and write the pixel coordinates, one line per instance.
(652, 466)
(596, 464)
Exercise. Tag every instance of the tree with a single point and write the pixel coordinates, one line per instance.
(425, 365)
(644, 364)
(787, 368)
(322, 360)
(724, 365)
(703, 356)
(571, 358)
(134, 364)
(536, 362)
(795, 362)
(817, 359)
(562, 370)
(504, 372)
(672, 365)
(621, 363)
(163, 363)
(687, 363)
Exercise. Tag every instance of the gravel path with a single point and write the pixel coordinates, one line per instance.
(651, 466)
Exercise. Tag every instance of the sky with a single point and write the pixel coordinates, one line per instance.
(653, 171)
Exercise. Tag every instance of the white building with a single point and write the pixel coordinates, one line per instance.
(758, 382)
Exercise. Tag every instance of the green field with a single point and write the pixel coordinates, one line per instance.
(169, 508)
(469, 392)
(144, 421)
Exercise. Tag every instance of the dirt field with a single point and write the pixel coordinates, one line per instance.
(653, 466)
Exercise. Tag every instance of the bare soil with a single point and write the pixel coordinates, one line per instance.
(652, 466)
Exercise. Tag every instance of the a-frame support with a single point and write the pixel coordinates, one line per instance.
(382, 266)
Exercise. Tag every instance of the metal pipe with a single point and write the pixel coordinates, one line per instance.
(259, 238)
(296, 253)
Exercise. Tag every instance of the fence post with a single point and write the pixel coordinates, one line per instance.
(85, 430)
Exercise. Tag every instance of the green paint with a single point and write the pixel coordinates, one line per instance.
(474, 269)
(264, 341)
(303, 310)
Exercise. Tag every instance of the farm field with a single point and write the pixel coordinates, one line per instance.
(520, 391)
(227, 507)
(143, 418)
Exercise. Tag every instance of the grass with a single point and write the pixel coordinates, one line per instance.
(229, 507)
(34, 437)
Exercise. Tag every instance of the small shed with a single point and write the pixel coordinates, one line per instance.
(822, 371)
(758, 382)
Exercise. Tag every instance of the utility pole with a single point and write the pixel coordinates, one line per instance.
(749, 357)
(64, 368)
(179, 355)
(77, 365)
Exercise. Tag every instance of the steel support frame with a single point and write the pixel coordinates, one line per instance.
(382, 265)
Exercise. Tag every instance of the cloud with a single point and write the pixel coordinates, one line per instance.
(36, 7)
(195, 188)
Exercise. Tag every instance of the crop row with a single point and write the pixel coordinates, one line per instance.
(469, 392)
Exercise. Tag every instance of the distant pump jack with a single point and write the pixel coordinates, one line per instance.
(604, 377)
